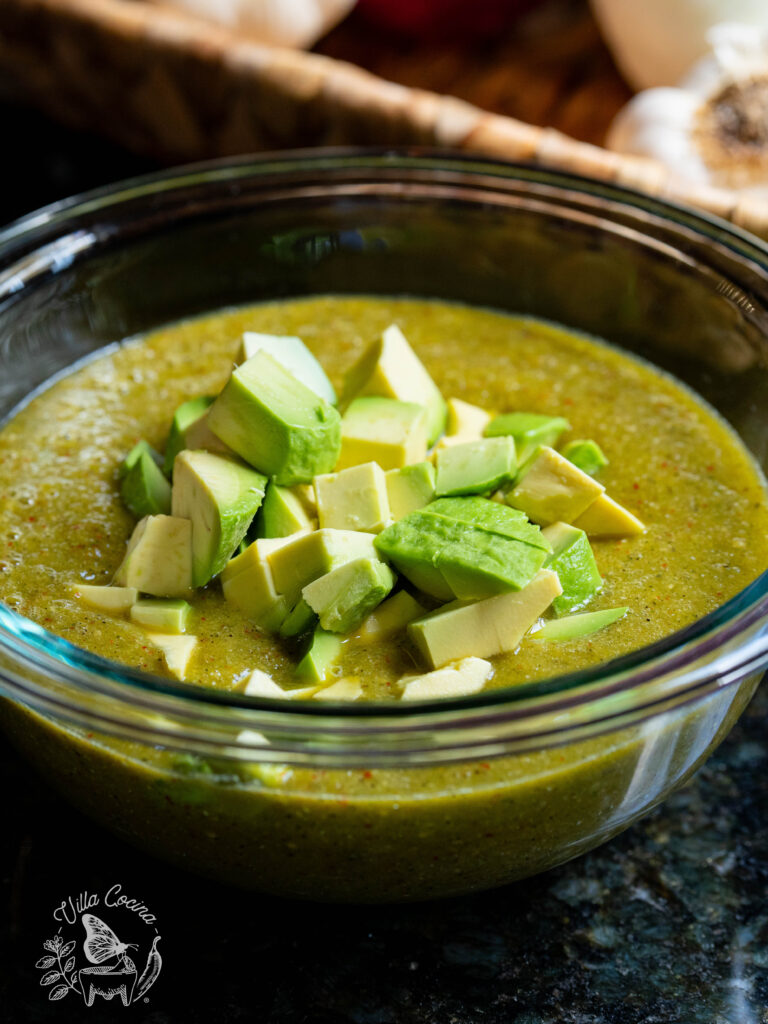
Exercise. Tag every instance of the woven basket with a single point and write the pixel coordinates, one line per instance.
(177, 88)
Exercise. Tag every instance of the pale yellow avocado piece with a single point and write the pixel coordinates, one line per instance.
(199, 436)
(353, 499)
(162, 615)
(112, 600)
(390, 617)
(252, 589)
(159, 557)
(410, 488)
(306, 495)
(483, 628)
(465, 423)
(177, 651)
(257, 553)
(383, 430)
(607, 518)
(459, 679)
(261, 684)
(344, 689)
(305, 558)
(551, 489)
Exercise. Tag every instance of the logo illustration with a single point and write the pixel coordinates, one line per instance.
(110, 971)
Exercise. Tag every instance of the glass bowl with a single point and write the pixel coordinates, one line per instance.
(470, 793)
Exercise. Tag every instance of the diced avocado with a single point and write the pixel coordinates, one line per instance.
(293, 354)
(574, 562)
(491, 516)
(144, 489)
(299, 620)
(459, 679)
(475, 467)
(529, 429)
(283, 513)
(133, 456)
(164, 616)
(344, 689)
(390, 368)
(323, 652)
(465, 420)
(261, 684)
(344, 596)
(248, 585)
(550, 489)
(607, 518)
(306, 495)
(276, 423)
(112, 600)
(182, 418)
(383, 430)
(483, 628)
(575, 627)
(220, 497)
(177, 651)
(255, 553)
(410, 488)
(302, 560)
(353, 499)
(199, 437)
(390, 617)
(587, 455)
(158, 560)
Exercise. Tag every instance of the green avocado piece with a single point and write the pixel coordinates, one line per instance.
(343, 597)
(276, 423)
(293, 354)
(529, 429)
(475, 467)
(575, 627)
(282, 513)
(573, 560)
(144, 489)
(165, 616)
(135, 454)
(158, 559)
(321, 655)
(490, 516)
(299, 620)
(587, 456)
(184, 417)
(220, 497)
(410, 488)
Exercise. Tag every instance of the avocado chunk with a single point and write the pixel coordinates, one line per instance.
(158, 560)
(483, 628)
(490, 516)
(247, 584)
(459, 679)
(353, 499)
(390, 368)
(283, 513)
(293, 354)
(390, 617)
(133, 456)
(303, 559)
(199, 437)
(345, 689)
(383, 430)
(574, 562)
(410, 488)
(276, 423)
(529, 429)
(607, 518)
(475, 467)
(575, 627)
(300, 619)
(144, 489)
(112, 600)
(551, 489)
(344, 596)
(466, 421)
(177, 652)
(164, 616)
(261, 684)
(588, 456)
(185, 415)
(322, 654)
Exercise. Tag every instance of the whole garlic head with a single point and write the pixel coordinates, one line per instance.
(713, 128)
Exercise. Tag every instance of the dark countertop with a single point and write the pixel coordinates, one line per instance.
(668, 924)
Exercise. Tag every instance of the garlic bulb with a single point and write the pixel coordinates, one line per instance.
(655, 42)
(297, 23)
(713, 128)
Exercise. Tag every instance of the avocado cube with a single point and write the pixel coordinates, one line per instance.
(576, 627)
(607, 518)
(410, 488)
(322, 654)
(353, 499)
(529, 429)
(185, 415)
(343, 690)
(112, 600)
(163, 616)
(199, 437)
(390, 368)
(465, 420)
(220, 497)
(344, 596)
(133, 456)
(574, 562)
(276, 423)
(261, 684)
(390, 617)
(303, 559)
(383, 430)
(248, 585)
(283, 513)
(293, 354)
(300, 619)
(475, 467)
(177, 652)
(491, 516)
(255, 553)
(459, 679)
(551, 489)
(483, 628)
(158, 559)
(144, 489)
(588, 456)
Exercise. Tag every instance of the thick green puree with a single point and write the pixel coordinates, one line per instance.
(398, 833)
